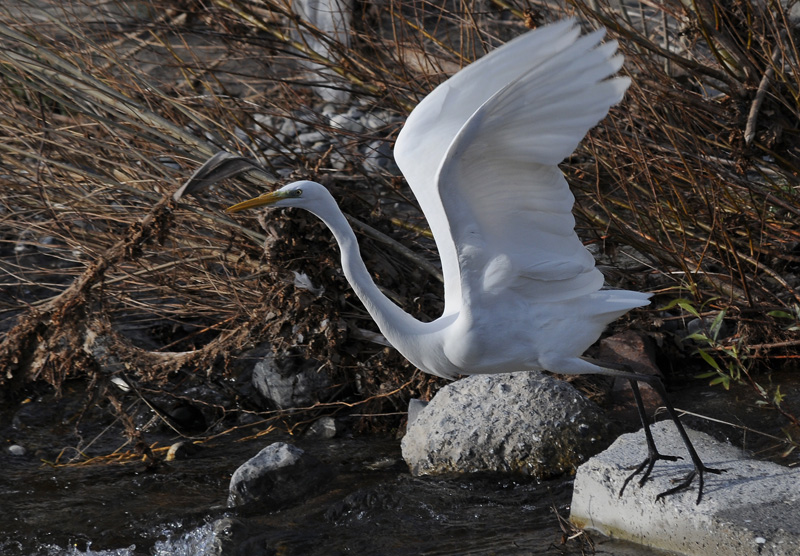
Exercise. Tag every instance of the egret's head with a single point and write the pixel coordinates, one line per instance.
(304, 194)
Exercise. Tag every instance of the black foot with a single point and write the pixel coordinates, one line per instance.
(650, 461)
(687, 482)
(652, 453)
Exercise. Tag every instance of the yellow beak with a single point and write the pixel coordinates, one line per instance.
(261, 201)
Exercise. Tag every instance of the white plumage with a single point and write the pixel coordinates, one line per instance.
(481, 154)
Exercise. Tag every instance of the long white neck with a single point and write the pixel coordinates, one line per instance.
(395, 324)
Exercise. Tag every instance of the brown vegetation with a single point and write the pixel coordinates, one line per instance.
(106, 108)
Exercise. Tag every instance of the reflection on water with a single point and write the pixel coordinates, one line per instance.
(372, 506)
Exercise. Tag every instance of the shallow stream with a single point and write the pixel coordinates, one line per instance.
(372, 506)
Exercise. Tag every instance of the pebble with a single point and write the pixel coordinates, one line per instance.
(375, 120)
(324, 427)
(346, 122)
(376, 157)
(310, 137)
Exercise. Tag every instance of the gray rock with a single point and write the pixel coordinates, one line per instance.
(524, 422)
(169, 162)
(276, 475)
(289, 381)
(324, 427)
(378, 158)
(16, 450)
(311, 137)
(265, 121)
(346, 122)
(375, 120)
(337, 160)
(329, 110)
(705, 326)
(414, 407)
(290, 128)
(751, 509)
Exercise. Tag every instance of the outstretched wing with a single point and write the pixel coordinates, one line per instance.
(435, 123)
(508, 206)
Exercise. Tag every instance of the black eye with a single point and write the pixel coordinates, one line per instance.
(297, 193)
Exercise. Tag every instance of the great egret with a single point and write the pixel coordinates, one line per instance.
(481, 154)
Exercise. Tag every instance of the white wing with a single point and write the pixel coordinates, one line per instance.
(509, 208)
(501, 210)
(434, 124)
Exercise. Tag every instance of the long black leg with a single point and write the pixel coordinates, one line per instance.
(652, 452)
(699, 467)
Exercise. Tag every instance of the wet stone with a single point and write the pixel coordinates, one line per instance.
(753, 508)
(325, 427)
(277, 475)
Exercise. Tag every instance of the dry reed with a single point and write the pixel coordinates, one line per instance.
(107, 107)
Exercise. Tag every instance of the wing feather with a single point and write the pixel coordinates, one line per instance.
(433, 125)
(508, 206)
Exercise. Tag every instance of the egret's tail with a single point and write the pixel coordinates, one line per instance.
(612, 304)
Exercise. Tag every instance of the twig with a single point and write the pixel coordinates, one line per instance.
(761, 94)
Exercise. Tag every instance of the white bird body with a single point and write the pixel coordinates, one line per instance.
(481, 155)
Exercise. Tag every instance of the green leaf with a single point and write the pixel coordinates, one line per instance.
(716, 325)
(777, 397)
(724, 380)
(708, 359)
(781, 314)
(687, 306)
(700, 337)
(707, 375)
(684, 304)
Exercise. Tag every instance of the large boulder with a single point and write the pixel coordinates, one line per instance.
(526, 422)
(751, 509)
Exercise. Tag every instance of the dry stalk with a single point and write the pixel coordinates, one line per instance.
(101, 117)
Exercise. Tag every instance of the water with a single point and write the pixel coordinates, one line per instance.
(372, 506)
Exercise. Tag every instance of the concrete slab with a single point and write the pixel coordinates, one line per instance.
(753, 508)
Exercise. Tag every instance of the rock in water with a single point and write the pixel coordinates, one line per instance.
(523, 422)
(276, 475)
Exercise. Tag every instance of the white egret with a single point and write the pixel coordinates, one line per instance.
(481, 154)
